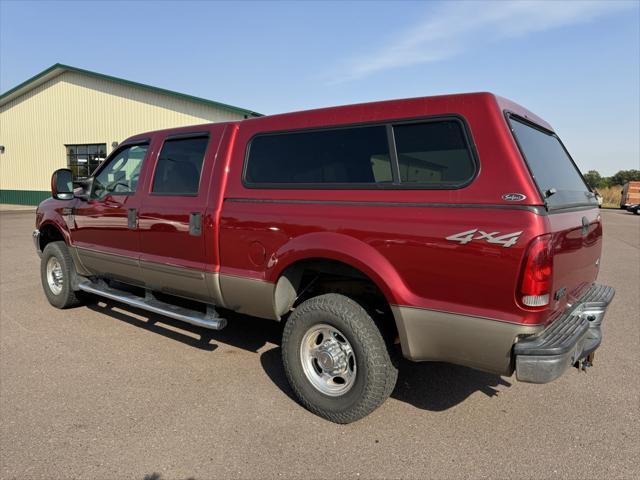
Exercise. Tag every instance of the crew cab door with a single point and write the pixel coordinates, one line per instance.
(173, 217)
(105, 227)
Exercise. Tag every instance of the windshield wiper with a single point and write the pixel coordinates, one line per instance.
(550, 192)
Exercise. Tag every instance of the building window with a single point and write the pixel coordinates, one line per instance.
(83, 160)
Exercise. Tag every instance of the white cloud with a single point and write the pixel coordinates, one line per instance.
(457, 26)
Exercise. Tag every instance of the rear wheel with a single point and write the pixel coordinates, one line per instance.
(56, 272)
(336, 359)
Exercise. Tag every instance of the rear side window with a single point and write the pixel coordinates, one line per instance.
(350, 155)
(433, 153)
(179, 166)
(555, 174)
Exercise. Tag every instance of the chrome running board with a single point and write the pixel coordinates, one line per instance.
(209, 320)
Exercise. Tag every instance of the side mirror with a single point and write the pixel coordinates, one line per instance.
(62, 184)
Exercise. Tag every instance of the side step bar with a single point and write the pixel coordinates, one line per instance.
(209, 320)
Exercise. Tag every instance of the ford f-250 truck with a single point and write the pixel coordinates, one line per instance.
(453, 228)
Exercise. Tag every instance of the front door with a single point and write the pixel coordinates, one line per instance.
(173, 216)
(105, 231)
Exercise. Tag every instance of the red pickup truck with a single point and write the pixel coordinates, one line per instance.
(453, 228)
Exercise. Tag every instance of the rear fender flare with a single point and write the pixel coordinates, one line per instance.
(345, 249)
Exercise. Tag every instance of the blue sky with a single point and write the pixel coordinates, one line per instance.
(576, 64)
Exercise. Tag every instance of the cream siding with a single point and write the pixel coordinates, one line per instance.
(73, 108)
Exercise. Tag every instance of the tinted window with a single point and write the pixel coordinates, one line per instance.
(551, 166)
(350, 155)
(120, 176)
(434, 153)
(179, 166)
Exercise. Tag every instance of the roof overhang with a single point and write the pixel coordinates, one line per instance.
(32, 83)
(59, 69)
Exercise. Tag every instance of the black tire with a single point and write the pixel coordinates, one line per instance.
(66, 297)
(376, 374)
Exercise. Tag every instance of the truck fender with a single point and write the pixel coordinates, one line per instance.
(341, 248)
(59, 225)
(57, 222)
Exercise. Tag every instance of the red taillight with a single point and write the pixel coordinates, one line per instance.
(537, 272)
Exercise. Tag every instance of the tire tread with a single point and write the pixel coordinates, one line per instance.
(382, 372)
(68, 297)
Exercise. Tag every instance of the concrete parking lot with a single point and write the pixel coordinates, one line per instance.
(104, 392)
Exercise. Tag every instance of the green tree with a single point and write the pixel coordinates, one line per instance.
(624, 176)
(593, 178)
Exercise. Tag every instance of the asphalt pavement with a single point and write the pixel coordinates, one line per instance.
(106, 392)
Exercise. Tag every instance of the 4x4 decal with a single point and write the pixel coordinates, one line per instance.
(506, 240)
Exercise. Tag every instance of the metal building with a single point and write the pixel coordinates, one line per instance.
(69, 117)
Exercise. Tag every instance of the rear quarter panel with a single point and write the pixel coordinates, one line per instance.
(404, 250)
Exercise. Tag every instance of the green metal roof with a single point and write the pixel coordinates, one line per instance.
(59, 68)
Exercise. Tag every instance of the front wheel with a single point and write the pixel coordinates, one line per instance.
(336, 359)
(56, 272)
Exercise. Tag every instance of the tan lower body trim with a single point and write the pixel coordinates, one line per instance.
(249, 296)
(183, 282)
(241, 294)
(428, 335)
(126, 269)
(80, 268)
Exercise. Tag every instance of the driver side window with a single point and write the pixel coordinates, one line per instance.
(120, 176)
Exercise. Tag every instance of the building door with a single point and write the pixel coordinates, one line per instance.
(106, 229)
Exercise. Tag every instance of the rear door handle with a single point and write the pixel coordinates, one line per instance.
(132, 219)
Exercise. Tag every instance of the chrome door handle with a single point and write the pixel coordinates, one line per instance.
(132, 219)
(195, 224)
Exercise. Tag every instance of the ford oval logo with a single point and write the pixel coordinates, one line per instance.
(513, 197)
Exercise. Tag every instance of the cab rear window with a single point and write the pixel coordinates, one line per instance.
(553, 170)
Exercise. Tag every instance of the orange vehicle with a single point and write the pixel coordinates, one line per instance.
(630, 194)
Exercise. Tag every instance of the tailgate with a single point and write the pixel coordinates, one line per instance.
(577, 245)
(573, 219)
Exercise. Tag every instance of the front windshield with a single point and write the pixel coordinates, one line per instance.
(554, 172)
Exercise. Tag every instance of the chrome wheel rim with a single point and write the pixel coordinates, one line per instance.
(328, 360)
(54, 276)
